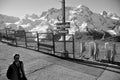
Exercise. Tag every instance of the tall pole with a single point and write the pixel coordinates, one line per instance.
(63, 21)
(63, 11)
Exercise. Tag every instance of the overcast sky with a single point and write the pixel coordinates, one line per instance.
(21, 7)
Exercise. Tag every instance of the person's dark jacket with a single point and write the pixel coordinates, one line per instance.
(13, 72)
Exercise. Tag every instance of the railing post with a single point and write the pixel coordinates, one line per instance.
(73, 47)
(37, 40)
(25, 39)
(0, 35)
(6, 32)
(15, 38)
(53, 43)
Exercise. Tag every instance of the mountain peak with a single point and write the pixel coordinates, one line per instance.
(82, 10)
(82, 7)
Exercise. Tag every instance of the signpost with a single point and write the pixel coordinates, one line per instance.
(61, 28)
(63, 25)
(63, 31)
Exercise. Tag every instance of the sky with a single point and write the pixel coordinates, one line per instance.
(19, 8)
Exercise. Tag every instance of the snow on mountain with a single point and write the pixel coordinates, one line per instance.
(7, 20)
(43, 18)
(33, 19)
(18, 22)
(40, 28)
(11, 26)
(7, 24)
(112, 32)
(81, 19)
(94, 20)
(28, 22)
(114, 16)
(25, 25)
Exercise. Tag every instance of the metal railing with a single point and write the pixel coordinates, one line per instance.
(76, 49)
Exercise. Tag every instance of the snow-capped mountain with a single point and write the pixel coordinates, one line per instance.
(81, 19)
(28, 22)
(7, 20)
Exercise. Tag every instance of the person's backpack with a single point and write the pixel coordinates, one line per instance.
(9, 72)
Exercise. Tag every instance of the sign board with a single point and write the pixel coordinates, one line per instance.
(64, 25)
(63, 31)
(60, 28)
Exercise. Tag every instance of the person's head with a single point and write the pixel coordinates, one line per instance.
(16, 57)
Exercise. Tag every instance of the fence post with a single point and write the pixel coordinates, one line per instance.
(15, 37)
(25, 39)
(53, 43)
(37, 40)
(73, 47)
(6, 32)
(0, 35)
